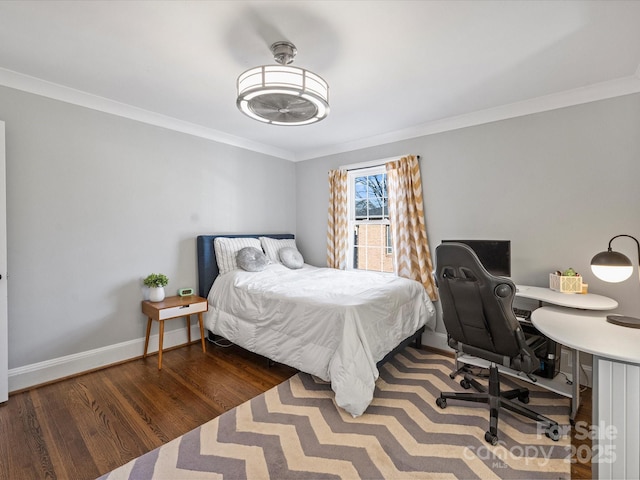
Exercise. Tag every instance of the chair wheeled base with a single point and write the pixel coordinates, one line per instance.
(497, 399)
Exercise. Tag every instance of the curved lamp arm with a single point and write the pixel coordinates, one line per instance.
(613, 266)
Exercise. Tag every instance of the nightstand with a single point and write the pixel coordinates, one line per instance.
(168, 309)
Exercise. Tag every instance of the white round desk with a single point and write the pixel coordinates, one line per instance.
(616, 383)
(581, 301)
(587, 301)
(589, 331)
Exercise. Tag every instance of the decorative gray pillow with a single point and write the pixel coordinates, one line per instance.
(291, 257)
(251, 259)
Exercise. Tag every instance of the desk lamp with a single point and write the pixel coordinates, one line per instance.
(614, 267)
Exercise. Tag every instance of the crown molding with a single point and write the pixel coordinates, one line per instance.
(592, 93)
(26, 83)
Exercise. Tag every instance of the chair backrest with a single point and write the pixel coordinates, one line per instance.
(477, 309)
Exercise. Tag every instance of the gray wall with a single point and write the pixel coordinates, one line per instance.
(95, 202)
(557, 184)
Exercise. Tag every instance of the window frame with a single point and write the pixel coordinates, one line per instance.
(352, 222)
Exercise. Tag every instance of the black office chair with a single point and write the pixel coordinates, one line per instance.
(478, 314)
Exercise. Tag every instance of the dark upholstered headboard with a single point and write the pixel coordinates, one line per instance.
(207, 265)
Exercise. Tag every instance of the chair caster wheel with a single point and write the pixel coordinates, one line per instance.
(452, 375)
(464, 383)
(524, 399)
(553, 432)
(441, 402)
(491, 438)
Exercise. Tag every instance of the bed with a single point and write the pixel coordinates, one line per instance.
(337, 325)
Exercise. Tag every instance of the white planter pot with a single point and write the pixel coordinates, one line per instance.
(156, 294)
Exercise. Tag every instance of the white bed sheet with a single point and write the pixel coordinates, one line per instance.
(333, 324)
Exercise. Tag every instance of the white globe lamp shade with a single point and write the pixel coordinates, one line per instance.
(615, 267)
(610, 266)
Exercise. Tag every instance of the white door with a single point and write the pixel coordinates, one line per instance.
(4, 344)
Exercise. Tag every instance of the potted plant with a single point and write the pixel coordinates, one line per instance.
(156, 283)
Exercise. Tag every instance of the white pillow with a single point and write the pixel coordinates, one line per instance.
(291, 258)
(227, 249)
(272, 246)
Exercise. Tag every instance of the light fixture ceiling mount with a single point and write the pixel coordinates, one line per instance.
(282, 94)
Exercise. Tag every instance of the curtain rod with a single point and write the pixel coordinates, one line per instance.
(372, 163)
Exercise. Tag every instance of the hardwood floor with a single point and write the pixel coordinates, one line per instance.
(84, 427)
(580, 441)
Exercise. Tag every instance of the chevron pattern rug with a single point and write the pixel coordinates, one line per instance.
(295, 431)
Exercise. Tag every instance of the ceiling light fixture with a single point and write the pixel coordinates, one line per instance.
(281, 94)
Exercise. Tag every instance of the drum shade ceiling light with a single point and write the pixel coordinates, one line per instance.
(282, 94)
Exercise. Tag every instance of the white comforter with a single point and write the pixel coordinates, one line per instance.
(330, 323)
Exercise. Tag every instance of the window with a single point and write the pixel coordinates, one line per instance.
(370, 235)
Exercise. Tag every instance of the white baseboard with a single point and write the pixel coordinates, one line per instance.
(50, 370)
(436, 340)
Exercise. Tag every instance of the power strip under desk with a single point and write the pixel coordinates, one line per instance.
(558, 384)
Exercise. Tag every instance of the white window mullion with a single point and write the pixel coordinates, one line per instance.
(351, 223)
(372, 251)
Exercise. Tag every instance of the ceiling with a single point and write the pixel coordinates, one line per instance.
(396, 69)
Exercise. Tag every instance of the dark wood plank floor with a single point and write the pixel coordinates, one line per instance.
(581, 441)
(83, 427)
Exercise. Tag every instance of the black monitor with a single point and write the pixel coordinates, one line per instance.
(495, 255)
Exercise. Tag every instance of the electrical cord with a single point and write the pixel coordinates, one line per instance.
(478, 372)
(570, 382)
(223, 343)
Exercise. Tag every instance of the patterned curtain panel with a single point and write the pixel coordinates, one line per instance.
(337, 233)
(406, 216)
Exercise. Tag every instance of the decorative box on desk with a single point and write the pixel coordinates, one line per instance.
(565, 284)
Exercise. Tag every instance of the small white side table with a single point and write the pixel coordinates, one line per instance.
(168, 309)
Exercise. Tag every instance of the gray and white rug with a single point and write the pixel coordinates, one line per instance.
(295, 431)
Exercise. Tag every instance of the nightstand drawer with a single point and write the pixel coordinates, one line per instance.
(182, 310)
